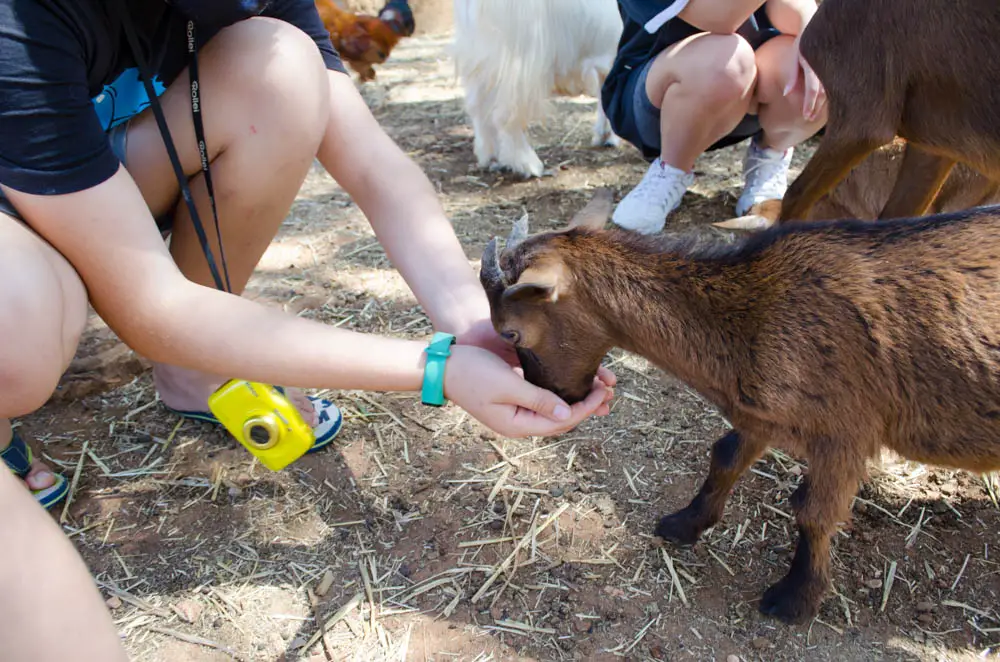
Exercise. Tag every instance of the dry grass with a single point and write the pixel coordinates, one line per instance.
(421, 536)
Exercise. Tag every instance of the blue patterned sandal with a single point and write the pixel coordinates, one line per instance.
(328, 416)
(18, 457)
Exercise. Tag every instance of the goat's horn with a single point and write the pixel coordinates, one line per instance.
(490, 274)
(518, 233)
(750, 222)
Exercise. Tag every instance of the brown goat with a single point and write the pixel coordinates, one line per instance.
(864, 192)
(928, 71)
(826, 339)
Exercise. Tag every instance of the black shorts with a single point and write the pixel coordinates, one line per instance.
(118, 137)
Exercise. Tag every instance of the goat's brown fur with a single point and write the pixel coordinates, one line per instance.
(827, 339)
(927, 71)
(864, 192)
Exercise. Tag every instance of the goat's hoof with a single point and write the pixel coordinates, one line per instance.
(605, 140)
(791, 602)
(679, 529)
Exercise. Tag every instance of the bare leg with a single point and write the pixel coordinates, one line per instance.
(43, 310)
(265, 111)
(780, 116)
(918, 183)
(703, 87)
(731, 455)
(50, 609)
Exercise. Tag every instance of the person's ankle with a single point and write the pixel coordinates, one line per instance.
(183, 389)
(668, 168)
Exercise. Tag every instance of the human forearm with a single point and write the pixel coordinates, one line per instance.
(109, 236)
(404, 211)
(790, 16)
(227, 335)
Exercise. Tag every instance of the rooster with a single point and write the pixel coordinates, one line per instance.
(364, 40)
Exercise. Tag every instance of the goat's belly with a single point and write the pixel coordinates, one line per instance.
(978, 452)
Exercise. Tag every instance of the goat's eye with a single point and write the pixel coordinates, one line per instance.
(513, 337)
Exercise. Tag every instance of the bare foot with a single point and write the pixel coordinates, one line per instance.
(188, 390)
(40, 476)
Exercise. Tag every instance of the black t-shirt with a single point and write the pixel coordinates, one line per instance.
(67, 75)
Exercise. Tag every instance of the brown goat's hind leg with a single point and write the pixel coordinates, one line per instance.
(833, 161)
(821, 501)
(918, 183)
(731, 455)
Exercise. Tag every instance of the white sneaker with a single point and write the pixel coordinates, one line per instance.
(765, 176)
(645, 208)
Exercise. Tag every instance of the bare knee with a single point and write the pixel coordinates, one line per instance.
(718, 69)
(271, 67)
(40, 338)
(43, 311)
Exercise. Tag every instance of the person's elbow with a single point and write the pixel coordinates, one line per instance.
(146, 317)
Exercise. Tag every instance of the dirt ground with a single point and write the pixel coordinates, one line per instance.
(421, 536)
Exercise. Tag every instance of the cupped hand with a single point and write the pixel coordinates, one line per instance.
(814, 95)
(500, 398)
(482, 334)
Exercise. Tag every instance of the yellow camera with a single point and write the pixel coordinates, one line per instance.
(264, 421)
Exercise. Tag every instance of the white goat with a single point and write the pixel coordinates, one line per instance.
(513, 55)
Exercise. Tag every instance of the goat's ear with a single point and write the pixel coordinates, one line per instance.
(538, 283)
(596, 212)
(529, 292)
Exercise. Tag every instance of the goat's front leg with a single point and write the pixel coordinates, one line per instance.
(731, 455)
(919, 181)
(835, 157)
(516, 153)
(821, 501)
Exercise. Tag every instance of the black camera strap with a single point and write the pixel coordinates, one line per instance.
(199, 131)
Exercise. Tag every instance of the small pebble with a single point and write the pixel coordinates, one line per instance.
(926, 606)
(114, 602)
(874, 583)
(926, 619)
(556, 491)
(760, 643)
(732, 658)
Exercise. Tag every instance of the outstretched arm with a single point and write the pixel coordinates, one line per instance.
(403, 209)
(108, 234)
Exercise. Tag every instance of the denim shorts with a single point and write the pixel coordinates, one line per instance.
(118, 139)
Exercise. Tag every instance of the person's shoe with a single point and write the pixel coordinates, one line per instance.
(328, 419)
(765, 176)
(18, 458)
(645, 208)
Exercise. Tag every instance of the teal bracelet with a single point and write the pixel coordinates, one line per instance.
(437, 352)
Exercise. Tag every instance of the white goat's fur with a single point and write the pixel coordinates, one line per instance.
(513, 55)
